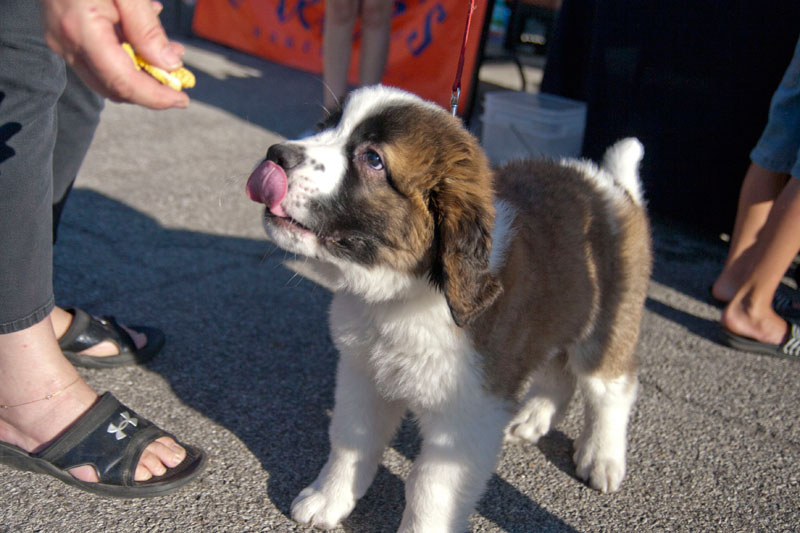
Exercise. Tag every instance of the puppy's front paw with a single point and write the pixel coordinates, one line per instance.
(603, 468)
(313, 507)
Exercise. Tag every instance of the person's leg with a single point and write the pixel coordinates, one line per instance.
(77, 116)
(759, 190)
(31, 363)
(376, 27)
(32, 367)
(337, 46)
(773, 157)
(31, 81)
(750, 312)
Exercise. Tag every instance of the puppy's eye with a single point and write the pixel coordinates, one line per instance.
(372, 159)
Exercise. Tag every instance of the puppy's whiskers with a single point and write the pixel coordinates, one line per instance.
(231, 186)
(268, 254)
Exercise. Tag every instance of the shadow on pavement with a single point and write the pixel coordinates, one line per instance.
(248, 348)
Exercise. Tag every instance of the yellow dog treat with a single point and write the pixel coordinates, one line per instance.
(177, 79)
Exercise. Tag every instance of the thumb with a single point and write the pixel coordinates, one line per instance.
(142, 28)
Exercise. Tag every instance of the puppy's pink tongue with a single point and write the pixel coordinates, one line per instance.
(267, 185)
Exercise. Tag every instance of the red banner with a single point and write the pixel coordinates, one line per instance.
(423, 53)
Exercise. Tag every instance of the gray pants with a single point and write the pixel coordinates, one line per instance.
(47, 120)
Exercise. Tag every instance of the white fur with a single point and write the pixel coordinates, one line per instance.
(327, 148)
(321, 174)
(622, 162)
(619, 175)
(600, 449)
(502, 234)
(549, 393)
(400, 349)
(397, 354)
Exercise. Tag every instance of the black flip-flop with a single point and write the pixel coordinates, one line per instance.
(788, 349)
(110, 437)
(87, 330)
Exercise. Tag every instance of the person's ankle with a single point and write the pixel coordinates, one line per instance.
(62, 320)
(760, 323)
(33, 423)
(723, 289)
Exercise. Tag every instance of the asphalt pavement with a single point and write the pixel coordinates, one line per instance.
(159, 231)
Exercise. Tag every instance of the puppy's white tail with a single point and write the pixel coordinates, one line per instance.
(622, 162)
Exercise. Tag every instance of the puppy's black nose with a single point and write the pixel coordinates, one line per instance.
(285, 155)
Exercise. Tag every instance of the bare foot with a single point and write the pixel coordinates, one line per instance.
(760, 323)
(33, 367)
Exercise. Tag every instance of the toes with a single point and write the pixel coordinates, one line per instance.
(314, 508)
(529, 431)
(602, 470)
(605, 476)
(139, 339)
(531, 424)
(149, 466)
(158, 457)
(170, 452)
(161, 455)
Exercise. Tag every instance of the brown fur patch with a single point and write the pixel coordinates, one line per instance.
(452, 180)
(575, 279)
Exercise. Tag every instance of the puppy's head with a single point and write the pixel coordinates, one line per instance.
(391, 183)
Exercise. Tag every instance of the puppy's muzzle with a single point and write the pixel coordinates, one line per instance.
(285, 155)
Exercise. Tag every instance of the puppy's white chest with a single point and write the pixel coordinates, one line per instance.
(411, 349)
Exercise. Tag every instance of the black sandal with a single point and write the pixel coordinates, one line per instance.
(87, 330)
(788, 349)
(110, 437)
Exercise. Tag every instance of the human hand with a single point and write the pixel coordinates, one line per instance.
(88, 35)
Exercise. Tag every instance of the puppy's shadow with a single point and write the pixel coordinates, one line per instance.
(557, 448)
(247, 341)
(248, 348)
(502, 503)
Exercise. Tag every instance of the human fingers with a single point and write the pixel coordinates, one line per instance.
(108, 65)
(142, 28)
(84, 32)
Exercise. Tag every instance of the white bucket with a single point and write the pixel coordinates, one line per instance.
(521, 125)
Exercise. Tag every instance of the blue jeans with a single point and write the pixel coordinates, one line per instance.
(47, 120)
(778, 149)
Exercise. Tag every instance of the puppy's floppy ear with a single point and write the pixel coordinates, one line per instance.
(462, 207)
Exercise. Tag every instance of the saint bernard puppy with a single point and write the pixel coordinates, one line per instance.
(479, 300)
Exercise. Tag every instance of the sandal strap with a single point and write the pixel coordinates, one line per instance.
(87, 331)
(791, 346)
(110, 437)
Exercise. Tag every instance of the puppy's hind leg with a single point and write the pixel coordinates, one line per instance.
(600, 449)
(550, 391)
(362, 424)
